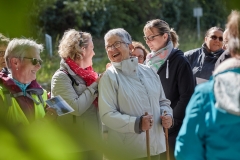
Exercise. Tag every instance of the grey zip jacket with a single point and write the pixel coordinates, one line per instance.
(126, 91)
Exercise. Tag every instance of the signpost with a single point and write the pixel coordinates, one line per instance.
(48, 40)
(197, 12)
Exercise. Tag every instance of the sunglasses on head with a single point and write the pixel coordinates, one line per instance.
(81, 38)
(216, 37)
(35, 61)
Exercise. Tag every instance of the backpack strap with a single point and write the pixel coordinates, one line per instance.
(7, 94)
(73, 81)
(29, 96)
(5, 91)
(70, 76)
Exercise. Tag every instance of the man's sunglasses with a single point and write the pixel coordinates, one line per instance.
(215, 38)
(35, 61)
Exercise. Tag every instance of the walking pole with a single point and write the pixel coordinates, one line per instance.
(166, 138)
(147, 141)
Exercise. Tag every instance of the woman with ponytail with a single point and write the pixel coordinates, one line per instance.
(173, 69)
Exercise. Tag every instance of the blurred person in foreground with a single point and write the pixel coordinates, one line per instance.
(126, 91)
(22, 99)
(139, 51)
(77, 83)
(202, 60)
(173, 69)
(225, 55)
(213, 113)
(3, 46)
(35, 141)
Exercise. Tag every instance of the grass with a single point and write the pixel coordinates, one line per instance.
(187, 40)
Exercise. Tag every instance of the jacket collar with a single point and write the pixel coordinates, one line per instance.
(127, 66)
(64, 65)
(230, 63)
(208, 53)
(10, 85)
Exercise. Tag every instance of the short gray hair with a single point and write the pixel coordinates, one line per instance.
(120, 32)
(19, 47)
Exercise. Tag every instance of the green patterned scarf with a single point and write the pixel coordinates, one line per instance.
(156, 59)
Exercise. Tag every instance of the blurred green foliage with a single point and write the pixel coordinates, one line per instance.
(37, 141)
(98, 16)
(14, 18)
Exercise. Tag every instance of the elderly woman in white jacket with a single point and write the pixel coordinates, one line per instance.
(126, 91)
(77, 83)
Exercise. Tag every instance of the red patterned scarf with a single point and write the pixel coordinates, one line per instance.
(87, 74)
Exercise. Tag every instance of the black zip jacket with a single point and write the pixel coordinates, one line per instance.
(225, 55)
(202, 61)
(178, 84)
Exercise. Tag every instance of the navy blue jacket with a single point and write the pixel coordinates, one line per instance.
(178, 84)
(202, 61)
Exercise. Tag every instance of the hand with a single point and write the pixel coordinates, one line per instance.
(100, 76)
(51, 114)
(147, 122)
(166, 121)
(108, 65)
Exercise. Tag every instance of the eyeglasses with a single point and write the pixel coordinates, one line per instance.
(35, 61)
(114, 45)
(150, 38)
(216, 37)
(140, 57)
(2, 53)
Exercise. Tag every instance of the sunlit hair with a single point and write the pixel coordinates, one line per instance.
(3, 40)
(20, 47)
(233, 26)
(72, 43)
(163, 27)
(140, 46)
(120, 32)
(213, 29)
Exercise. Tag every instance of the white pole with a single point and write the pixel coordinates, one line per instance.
(198, 27)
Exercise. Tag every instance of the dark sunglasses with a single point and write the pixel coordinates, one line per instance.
(215, 38)
(35, 61)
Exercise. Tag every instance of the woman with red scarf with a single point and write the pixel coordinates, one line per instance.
(77, 83)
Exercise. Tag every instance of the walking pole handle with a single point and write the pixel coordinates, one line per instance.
(166, 138)
(147, 141)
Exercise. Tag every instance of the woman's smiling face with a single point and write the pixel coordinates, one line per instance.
(214, 44)
(116, 49)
